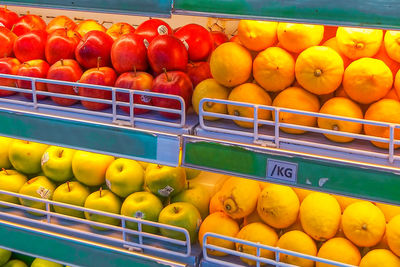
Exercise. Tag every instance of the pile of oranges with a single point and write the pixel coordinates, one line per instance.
(342, 71)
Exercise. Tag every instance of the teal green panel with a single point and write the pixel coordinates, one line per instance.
(160, 7)
(313, 174)
(65, 250)
(80, 135)
(356, 12)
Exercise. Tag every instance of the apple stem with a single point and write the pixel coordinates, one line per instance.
(69, 188)
(101, 188)
(27, 142)
(4, 170)
(159, 166)
(176, 209)
(188, 184)
(78, 36)
(12, 28)
(166, 74)
(134, 70)
(192, 63)
(120, 29)
(98, 63)
(62, 62)
(26, 63)
(61, 153)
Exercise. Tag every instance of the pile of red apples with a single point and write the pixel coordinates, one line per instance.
(152, 57)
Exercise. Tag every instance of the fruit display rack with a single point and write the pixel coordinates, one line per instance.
(263, 153)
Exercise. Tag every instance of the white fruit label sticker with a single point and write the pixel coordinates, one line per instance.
(44, 192)
(139, 214)
(146, 43)
(45, 158)
(108, 183)
(2, 25)
(76, 88)
(145, 98)
(166, 191)
(162, 30)
(282, 170)
(186, 44)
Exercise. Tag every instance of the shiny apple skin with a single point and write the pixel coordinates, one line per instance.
(128, 53)
(30, 46)
(198, 71)
(28, 23)
(64, 70)
(8, 18)
(118, 29)
(61, 44)
(135, 81)
(36, 68)
(10, 66)
(60, 22)
(94, 45)
(100, 76)
(219, 38)
(167, 51)
(198, 39)
(172, 83)
(152, 28)
(7, 40)
(89, 25)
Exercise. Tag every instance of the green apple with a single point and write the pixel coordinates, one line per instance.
(45, 263)
(180, 214)
(25, 156)
(57, 163)
(90, 168)
(5, 143)
(5, 255)
(40, 187)
(197, 195)
(124, 177)
(12, 181)
(73, 193)
(143, 205)
(15, 263)
(103, 200)
(191, 173)
(143, 164)
(164, 181)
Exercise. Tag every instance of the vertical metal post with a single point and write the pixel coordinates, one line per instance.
(276, 111)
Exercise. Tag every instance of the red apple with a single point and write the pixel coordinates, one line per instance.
(236, 39)
(89, 25)
(198, 71)
(197, 40)
(167, 51)
(118, 29)
(36, 68)
(8, 18)
(219, 38)
(7, 39)
(60, 22)
(61, 44)
(152, 28)
(94, 45)
(8, 65)
(172, 83)
(135, 81)
(30, 45)
(64, 70)
(129, 52)
(28, 23)
(100, 76)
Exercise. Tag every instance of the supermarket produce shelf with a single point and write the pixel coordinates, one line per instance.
(60, 234)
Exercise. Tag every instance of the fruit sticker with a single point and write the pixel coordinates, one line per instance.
(139, 214)
(166, 191)
(146, 43)
(44, 192)
(2, 25)
(45, 158)
(162, 30)
(185, 44)
(108, 183)
(145, 98)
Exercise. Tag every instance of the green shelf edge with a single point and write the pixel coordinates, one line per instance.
(319, 175)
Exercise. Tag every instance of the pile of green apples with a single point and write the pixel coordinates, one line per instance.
(8, 260)
(101, 182)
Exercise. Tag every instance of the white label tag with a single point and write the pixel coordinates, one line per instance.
(145, 98)
(282, 170)
(146, 43)
(162, 30)
(139, 214)
(2, 25)
(43, 192)
(45, 158)
(166, 191)
(108, 183)
(186, 44)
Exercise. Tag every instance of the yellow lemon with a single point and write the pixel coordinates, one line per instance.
(295, 226)
(339, 249)
(319, 69)
(215, 205)
(299, 242)
(257, 35)
(320, 216)
(332, 43)
(393, 234)
(258, 233)
(382, 55)
(380, 258)
(345, 201)
(210, 88)
(388, 210)
(296, 37)
(363, 223)
(273, 69)
(231, 64)
(392, 44)
(249, 93)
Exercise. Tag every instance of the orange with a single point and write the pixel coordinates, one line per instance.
(253, 217)
(273, 69)
(363, 223)
(215, 204)
(382, 55)
(397, 83)
(356, 43)
(344, 202)
(380, 258)
(389, 211)
(325, 97)
(296, 37)
(301, 193)
(339, 249)
(392, 44)
(249, 93)
(340, 106)
(386, 110)
(393, 234)
(329, 33)
(367, 80)
(296, 98)
(222, 224)
(332, 43)
(319, 69)
(257, 35)
(230, 64)
(392, 95)
(341, 92)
